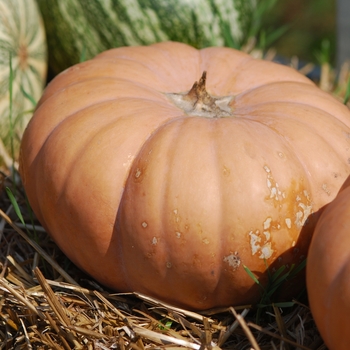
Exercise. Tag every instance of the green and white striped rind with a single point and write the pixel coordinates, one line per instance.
(74, 27)
(22, 38)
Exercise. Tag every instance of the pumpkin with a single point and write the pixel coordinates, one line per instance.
(78, 28)
(165, 170)
(328, 271)
(22, 37)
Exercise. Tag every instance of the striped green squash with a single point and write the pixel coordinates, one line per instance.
(74, 27)
(23, 43)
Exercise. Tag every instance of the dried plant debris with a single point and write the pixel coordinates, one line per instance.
(48, 303)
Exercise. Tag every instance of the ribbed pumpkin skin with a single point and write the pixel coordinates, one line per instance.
(328, 271)
(75, 27)
(22, 36)
(146, 198)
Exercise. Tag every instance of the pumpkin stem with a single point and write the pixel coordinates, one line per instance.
(198, 102)
(199, 94)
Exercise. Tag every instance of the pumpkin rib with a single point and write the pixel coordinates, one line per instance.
(316, 133)
(107, 69)
(119, 83)
(161, 65)
(92, 105)
(301, 104)
(171, 153)
(225, 257)
(116, 86)
(312, 125)
(241, 80)
(77, 158)
(125, 100)
(159, 54)
(136, 228)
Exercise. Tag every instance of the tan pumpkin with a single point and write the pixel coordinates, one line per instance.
(151, 188)
(328, 272)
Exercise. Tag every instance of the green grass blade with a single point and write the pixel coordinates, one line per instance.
(15, 205)
(251, 274)
(284, 304)
(278, 273)
(295, 270)
(323, 55)
(11, 112)
(28, 96)
(83, 55)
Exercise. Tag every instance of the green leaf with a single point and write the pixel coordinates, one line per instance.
(15, 204)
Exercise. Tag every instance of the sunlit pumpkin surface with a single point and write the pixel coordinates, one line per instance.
(147, 191)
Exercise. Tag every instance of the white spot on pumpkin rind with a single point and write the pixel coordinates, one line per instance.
(267, 235)
(254, 241)
(178, 234)
(302, 215)
(154, 241)
(267, 223)
(144, 224)
(298, 218)
(176, 214)
(273, 193)
(266, 251)
(138, 173)
(272, 185)
(233, 260)
(288, 222)
(258, 245)
(282, 155)
(306, 194)
(326, 189)
(129, 161)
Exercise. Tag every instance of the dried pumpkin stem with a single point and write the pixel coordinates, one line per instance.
(198, 102)
(198, 93)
